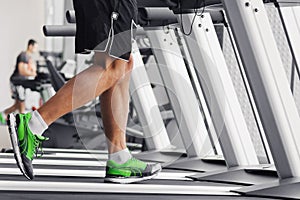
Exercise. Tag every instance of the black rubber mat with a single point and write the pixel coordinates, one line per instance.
(58, 158)
(69, 196)
(101, 180)
(38, 166)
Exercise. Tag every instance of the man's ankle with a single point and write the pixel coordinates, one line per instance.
(120, 157)
(37, 125)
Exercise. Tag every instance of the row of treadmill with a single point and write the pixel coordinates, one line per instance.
(229, 70)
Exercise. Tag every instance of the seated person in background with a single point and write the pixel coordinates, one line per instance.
(25, 67)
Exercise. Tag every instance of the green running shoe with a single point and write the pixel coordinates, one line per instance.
(132, 171)
(24, 142)
(2, 119)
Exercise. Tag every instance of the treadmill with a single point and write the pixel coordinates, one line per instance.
(75, 174)
(163, 186)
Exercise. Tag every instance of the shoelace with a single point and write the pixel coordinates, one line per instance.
(38, 143)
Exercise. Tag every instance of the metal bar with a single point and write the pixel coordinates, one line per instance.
(155, 15)
(225, 110)
(249, 93)
(190, 4)
(199, 94)
(180, 91)
(292, 32)
(293, 76)
(270, 88)
(287, 3)
(59, 30)
(154, 130)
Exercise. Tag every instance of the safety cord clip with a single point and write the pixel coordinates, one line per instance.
(114, 15)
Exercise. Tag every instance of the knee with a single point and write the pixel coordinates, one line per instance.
(116, 72)
(119, 69)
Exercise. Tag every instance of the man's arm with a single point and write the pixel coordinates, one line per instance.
(26, 69)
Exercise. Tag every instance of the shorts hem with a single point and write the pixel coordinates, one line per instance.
(110, 41)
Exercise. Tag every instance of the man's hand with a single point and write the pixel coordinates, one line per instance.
(27, 69)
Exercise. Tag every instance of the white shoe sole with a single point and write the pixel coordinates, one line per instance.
(131, 180)
(15, 144)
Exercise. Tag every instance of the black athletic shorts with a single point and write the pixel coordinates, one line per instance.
(98, 31)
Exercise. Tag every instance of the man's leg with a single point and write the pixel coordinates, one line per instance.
(102, 75)
(121, 166)
(114, 112)
(21, 106)
(11, 109)
(26, 129)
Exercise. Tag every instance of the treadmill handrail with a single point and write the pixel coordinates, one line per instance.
(58, 30)
(173, 4)
(153, 16)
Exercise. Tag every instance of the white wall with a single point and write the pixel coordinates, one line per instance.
(20, 20)
(55, 15)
